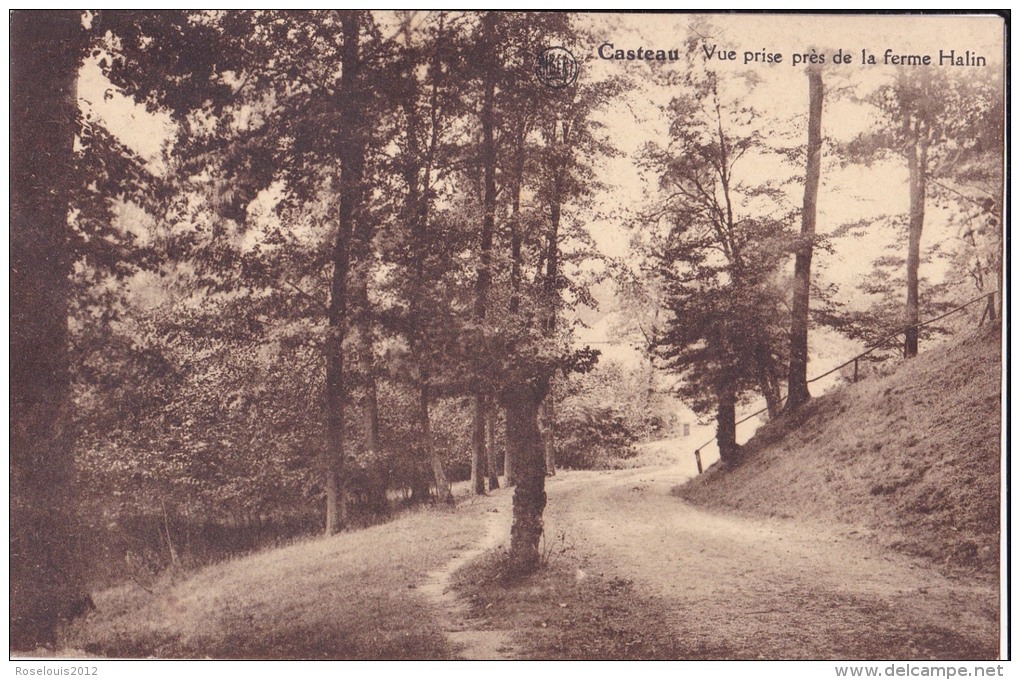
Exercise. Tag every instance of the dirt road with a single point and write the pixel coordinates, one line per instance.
(634, 572)
(739, 587)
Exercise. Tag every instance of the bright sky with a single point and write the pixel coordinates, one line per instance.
(781, 96)
(135, 127)
(782, 93)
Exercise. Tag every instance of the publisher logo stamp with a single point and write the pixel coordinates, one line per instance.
(556, 67)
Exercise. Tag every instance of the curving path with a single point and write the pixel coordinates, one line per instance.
(729, 586)
(741, 587)
(469, 640)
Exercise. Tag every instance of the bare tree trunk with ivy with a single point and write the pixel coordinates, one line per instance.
(522, 401)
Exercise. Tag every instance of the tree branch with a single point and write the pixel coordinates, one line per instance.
(322, 307)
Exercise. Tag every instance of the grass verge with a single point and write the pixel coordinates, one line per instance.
(351, 596)
(566, 610)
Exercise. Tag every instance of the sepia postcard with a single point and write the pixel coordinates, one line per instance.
(484, 335)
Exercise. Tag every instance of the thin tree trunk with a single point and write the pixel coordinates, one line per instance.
(917, 161)
(552, 266)
(524, 439)
(549, 434)
(650, 388)
(418, 212)
(488, 225)
(478, 456)
(797, 380)
(514, 223)
(333, 462)
(515, 283)
(352, 161)
(375, 485)
(443, 492)
(649, 351)
(509, 469)
(490, 448)
(726, 426)
(768, 381)
(46, 579)
(552, 291)
(363, 258)
(366, 365)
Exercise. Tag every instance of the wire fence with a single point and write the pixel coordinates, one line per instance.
(989, 313)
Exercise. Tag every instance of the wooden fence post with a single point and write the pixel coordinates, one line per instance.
(697, 457)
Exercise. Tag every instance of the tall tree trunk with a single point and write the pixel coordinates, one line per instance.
(362, 259)
(797, 380)
(352, 163)
(366, 365)
(524, 440)
(523, 399)
(509, 468)
(488, 225)
(419, 203)
(443, 492)
(514, 222)
(649, 352)
(552, 261)
(552, 289)
(371, 494)
(371, 405)
(515, 275)
(549, 433)
(46, 579)
(490, 448)
(333, 463)
(726, 426)
(917, 162)
(478, 457)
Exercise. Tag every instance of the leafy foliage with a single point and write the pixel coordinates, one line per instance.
(724, 242)
(602, 414)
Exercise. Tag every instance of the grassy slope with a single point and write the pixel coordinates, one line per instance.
(352, 596)
(913, 456)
